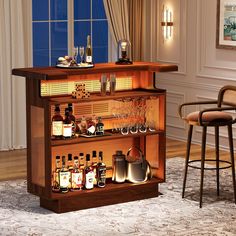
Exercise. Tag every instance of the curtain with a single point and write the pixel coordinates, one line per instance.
(135, 20)
(14, 50)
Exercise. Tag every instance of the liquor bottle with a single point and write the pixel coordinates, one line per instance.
(55, 176)
(100, 127)
(94, 166)
(81, 161)
(91, 127)
(88, 51)
(101, 172)
(88, 174)
(57, 123)
(72, 118)
(76, 176)
(64, 177)
(67, 125)
(70, 166)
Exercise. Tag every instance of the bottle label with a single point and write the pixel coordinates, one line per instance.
(89, 180)
(101, 176)
(64, 179)
(67, 130)
(89, 59)
(77, 180)
(57, 128)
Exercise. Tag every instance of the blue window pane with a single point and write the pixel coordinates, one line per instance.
(40, 35)
(100, 33)
(81, 30)
(40, 10)
(41, 57)
(58, 9)
(98, 9)
(82, 9)
(59, 35)
(100, 54)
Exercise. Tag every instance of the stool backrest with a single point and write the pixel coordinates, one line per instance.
(227, 96)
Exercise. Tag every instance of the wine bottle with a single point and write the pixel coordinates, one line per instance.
(88, 51)
(72, 118)
(67, 125)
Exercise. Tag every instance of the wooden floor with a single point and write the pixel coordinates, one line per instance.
(13, 163)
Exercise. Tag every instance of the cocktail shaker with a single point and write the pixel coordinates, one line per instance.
(118, 167)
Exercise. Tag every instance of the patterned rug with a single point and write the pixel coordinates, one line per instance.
(167, 214)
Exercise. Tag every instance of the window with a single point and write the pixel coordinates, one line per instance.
(51, 29)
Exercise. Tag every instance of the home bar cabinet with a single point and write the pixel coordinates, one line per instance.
(48, 86)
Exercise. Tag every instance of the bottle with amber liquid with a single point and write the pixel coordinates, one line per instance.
(64, 177)
(94, 166)
(67, 125)
(101, 171)
(88, 51)
(88, 174)
(55, 176)
(57, 123)
(76, 176)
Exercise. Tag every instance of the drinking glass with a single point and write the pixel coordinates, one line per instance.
(75, 53)
(81, 53)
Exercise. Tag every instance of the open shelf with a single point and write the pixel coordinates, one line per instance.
(144, 93)
(101, 138)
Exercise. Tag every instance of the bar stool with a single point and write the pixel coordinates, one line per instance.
(215, 117)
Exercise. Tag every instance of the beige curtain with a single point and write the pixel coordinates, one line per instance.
(14, 50)
(135, 20)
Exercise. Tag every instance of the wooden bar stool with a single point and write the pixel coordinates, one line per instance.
(215, 117)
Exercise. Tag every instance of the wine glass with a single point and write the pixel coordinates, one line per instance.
(75, 53)
(81, 53)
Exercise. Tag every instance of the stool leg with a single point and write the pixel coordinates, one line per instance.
(204, 133)
(190, 131)
(217, 159)
(232, 158)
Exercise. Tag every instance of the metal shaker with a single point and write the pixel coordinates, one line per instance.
(118, 167)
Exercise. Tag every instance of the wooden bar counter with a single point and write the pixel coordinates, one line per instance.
(48, 86)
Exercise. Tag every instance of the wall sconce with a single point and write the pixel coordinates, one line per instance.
(167, 23)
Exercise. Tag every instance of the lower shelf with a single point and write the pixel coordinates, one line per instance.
(111, 194)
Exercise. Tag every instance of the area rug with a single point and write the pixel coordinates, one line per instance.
(168, 214)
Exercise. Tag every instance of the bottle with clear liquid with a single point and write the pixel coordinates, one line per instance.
(88, 51)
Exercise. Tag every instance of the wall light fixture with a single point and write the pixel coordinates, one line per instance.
(167, 23)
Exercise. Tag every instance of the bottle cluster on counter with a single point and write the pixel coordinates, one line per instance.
(69, 127)
(72, 174)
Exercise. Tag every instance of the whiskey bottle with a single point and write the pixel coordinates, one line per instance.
(83, 125)
(64, 177)
(57, 123)
(77, 176)
(67, 125)
(100, 127)
(94, 166)
(72, 118)
(70, 166)
(88, 174)
(88, 51)
(101, 172)
(55, 176)
(91, 127)
(81, 161)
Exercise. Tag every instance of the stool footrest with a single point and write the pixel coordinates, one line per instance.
(210, 168)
